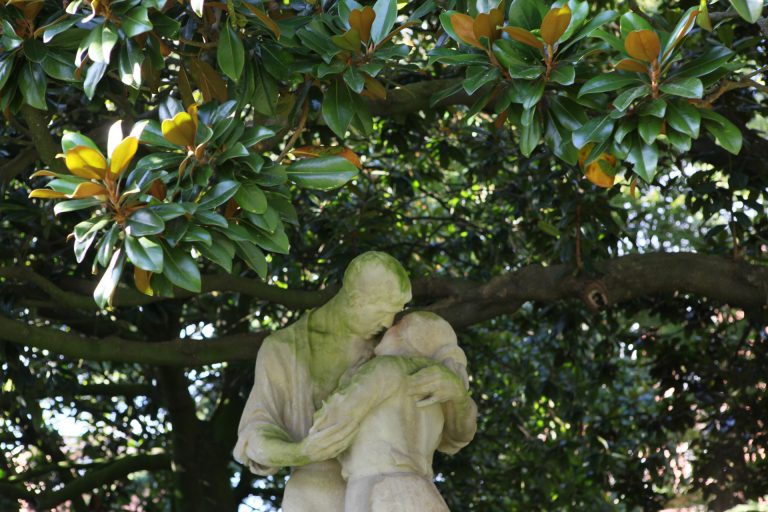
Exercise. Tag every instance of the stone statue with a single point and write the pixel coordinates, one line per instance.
(388, 462)
(300, 366)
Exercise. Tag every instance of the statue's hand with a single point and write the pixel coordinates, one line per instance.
(329, 441)
(436, 384)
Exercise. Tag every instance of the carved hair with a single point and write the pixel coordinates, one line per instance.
(377, 276)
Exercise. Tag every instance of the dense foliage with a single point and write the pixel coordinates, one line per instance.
(579, 188)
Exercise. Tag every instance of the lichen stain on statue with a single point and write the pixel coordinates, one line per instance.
(357, 422)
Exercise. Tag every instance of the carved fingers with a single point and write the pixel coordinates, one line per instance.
(329, 441)
(435, 384)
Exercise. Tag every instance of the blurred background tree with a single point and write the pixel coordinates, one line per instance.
(579, 188)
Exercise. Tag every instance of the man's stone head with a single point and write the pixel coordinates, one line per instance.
(375, 288)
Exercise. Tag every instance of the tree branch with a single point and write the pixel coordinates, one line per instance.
(47, 148)
(186, 352)
(96, 478)
(622, 279)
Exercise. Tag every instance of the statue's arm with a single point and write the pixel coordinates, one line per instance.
(460, 424)
(263, 442)
(437, 383)
(373, 383)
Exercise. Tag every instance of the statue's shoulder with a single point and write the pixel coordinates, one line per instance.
(290, 333)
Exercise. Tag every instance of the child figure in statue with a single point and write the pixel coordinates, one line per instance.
(388, 462)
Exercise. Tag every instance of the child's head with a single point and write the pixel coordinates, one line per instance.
(424, 334)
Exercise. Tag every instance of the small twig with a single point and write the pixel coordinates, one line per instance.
(297, 132)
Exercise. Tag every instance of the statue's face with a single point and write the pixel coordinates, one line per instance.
(369, 319)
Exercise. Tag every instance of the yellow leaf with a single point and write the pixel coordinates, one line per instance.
(180, 130)
(44, 193)
(523, 36)
(123, 154)
(38, 174)
(597, 175)
(88, 189)
(485, 25)
(86, 162)
(584, 153)
(362, 20)
(643, 45)
(143, 280)
(631, 65)
(555, 24)
(463, 25)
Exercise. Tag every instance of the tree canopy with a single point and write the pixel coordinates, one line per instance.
(579, 188)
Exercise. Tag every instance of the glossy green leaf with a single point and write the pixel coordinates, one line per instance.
(355, 80)
(684, 87)
(478, 76)
(526, 13)
(253, 257)
(144, 222)
(649, 127)
(524, 71)
(563, 74)
(625, 99)
(32, 83)
(337, 108)
(58, 66)
(386, 14)
(181, 269)
(274, 242)
(136, 21)
(221, 251)
(322, 173)
(218, 195)
(35, 50)
(728, 134)
(105, 290)
(711, 60)
(656, 107)
(93, 75)
(102, 43)
(529, 137)
(597, 130)
(251, 198)
(198, 234)
(6, 66)
(684, 117)
(211, 219)
(230, 53)
(607, 82)
(107, 245)
(750, 10)
(75, 205)
(645, 159)
(144, 253)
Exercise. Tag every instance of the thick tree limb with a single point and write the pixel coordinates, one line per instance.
(180, 352)
(644, 275)
(47, 148)
(93, 479)
(622, 279)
